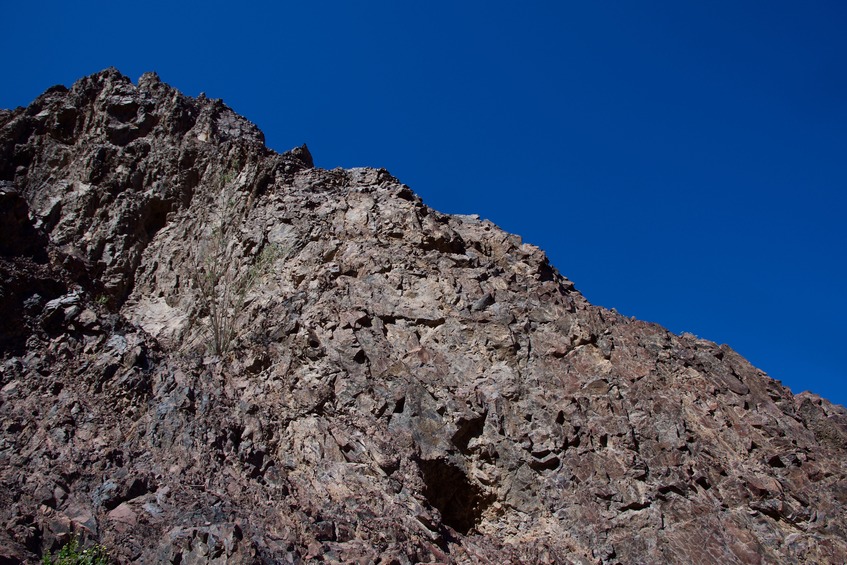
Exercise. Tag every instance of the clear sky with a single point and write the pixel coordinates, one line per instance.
(682, 162)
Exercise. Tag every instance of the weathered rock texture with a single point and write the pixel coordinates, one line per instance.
(404, 386)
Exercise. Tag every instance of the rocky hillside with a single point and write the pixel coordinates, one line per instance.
(214, 353)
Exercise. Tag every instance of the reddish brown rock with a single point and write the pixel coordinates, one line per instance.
(402, 386)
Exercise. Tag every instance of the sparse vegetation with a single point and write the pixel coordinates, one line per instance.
(227, 177)
(71, 554)
(218, 275)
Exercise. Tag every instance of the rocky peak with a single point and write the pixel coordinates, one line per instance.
(397, 385)
(107, 158)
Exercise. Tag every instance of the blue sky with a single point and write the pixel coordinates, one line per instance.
(684, 163)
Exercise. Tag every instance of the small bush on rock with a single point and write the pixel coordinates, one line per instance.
(216, 272)
(70, 554)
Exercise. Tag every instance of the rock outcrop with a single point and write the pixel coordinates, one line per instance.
(401, 386)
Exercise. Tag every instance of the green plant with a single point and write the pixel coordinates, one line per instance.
(227, 177)
(70, 554)
(216, 272)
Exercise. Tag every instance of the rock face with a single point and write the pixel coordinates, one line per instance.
(401, 386)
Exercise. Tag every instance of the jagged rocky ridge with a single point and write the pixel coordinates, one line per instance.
(404, 386)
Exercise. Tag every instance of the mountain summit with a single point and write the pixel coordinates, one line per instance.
(215, 353)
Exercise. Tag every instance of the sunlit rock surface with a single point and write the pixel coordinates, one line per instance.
(402, 385)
